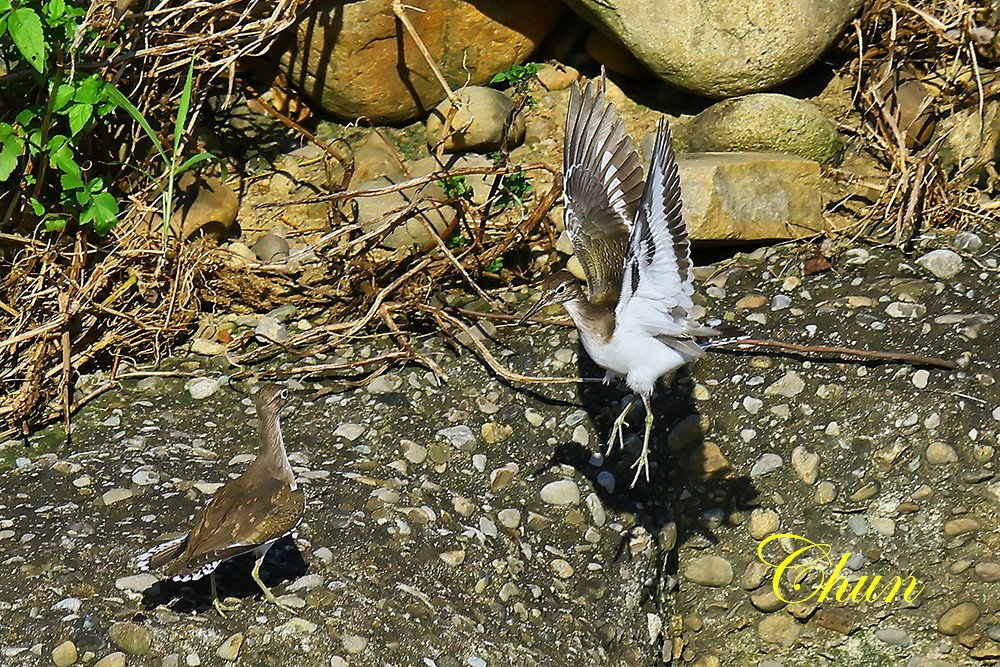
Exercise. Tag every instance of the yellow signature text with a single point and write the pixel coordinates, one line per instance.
(810, 571)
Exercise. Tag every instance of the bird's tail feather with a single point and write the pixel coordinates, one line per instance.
(720, 334)
(161, 554)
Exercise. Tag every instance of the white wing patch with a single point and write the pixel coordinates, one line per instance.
(143, 560)
(657, 284)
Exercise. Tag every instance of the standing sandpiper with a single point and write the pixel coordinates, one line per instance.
(635, 318)
(248, 514)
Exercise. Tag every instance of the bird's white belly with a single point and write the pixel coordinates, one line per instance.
(640, 359)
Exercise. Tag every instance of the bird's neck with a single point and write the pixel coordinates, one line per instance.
(593, 321)
(271, 457)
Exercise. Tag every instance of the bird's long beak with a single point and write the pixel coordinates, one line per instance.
(541, 303)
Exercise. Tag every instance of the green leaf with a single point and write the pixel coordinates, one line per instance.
(105, 208)
(13, 147)
(90, 90)
(192, 161)
(54, 10)
(64, 95)
(71, 181)
(182, 110)
(5, 131)
(5, 6)
(55, 224)
(37, 207)
(25, 30)
(123, 102)
(25, 117)
(79, 114)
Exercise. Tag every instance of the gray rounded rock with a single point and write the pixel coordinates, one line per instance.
(943, 263)
(477, 124)
(765, 123)
(725, 47)
(709, 571)
(561, 492)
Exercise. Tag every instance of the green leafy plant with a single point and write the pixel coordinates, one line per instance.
(494, 265)
(456, 240)
(516, 74)
(514, 189)
(456, 187)
(55, 115)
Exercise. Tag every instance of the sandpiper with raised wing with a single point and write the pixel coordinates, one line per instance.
(635, 318)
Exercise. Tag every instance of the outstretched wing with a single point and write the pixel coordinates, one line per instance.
(602, 186)
(657, 284)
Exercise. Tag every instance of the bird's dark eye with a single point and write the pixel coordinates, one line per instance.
(284, 394)
(561, 289)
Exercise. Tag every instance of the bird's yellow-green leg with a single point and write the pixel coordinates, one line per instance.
(616, 430)
(643, 462)
(219, 606)
(268, 595)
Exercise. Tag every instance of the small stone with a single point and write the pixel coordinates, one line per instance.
(958, 619)
(607, 480)
(894, 636)
(65, 654)
(509, 518)
(961, 526)
(920, 378)
(477, 122)
(687, 432)
(826, 493)
(789, 386)
(271, 248)
(203, 387)
(131, 638)
(765, 600)
(136, 583)
(709, 460)
(460, 437)
(562, 568)
(779, 629)
(350, 432)
(230, 649)
(806, 464)
(832, 619)
(561, 492)
(943, 263)
(206, 348)
(270, 329)
(493, 432)
(556, 76)
(116, 495)
(763, 522)
(766, 464)
(711, 571)
(306, 583)
(939, 453)
(988, 572)
(296, 626)
(414, 453)
(116, 659)
(354, 644)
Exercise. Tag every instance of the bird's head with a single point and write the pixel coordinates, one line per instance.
(560, 287)
(271, 398)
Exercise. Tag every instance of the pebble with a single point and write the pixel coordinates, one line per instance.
(606, 480)
(206, 348)
(562, 568)
(116, 495)
(136, 582)
(65, 654)
(306, 583)
(961, 526)
(460, 437)
(414, 453)
(943, 263)
(806, 464)
(711, 571)
(709, 461)
(354, 644)
(766, 464)
(270, 329)
(230, 649)
(509, 518)
(116, 659)
(939, 453)
(131, 638)
(958, 619)
(920, 378)
(597, 511)
(203, 387)
(826, 493)
(763, 522)
(765, 600)
(967, 241)
(561, 492)
(988, 572)
(779, 629)
(350, 432)
(894, 636)
(297, 626)
(453, 558)
(789, 386)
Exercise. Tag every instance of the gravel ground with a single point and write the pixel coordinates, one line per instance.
(476, 523)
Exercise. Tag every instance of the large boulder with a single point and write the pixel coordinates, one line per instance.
(764, 122)
(738, 197)
(355, 59)
(725, 47)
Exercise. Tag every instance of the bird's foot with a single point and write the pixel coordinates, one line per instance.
(617, 430)
(222, 607)
(642, 464)
(268, 595)
(609, 377)
(273, 599)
